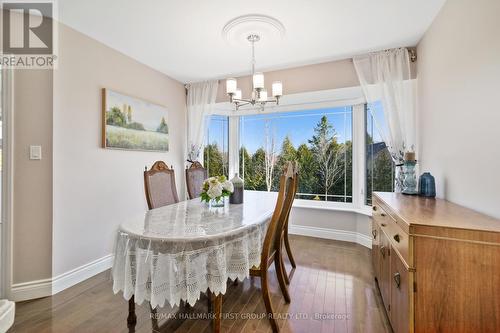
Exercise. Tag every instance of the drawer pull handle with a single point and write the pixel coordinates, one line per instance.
(383, 224)
(374, 208)
(397, 238)
(397, 279)
(374, 233)
(382, 251)
(383, 214)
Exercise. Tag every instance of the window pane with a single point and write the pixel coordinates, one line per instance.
(216, 146)
(320, 140)
(379, 165)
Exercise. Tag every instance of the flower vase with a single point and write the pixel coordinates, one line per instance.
(216, 204)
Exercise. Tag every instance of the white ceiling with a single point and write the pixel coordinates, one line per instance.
(182, 38)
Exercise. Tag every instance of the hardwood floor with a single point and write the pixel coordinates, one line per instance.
(332, 290)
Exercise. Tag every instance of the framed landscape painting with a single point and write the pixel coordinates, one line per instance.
(133, 124)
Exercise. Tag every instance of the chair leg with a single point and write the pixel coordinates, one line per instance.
(285, 274)
(267, 302)
(217, 313)
(288, 249)
(209, 301)
(281, 277)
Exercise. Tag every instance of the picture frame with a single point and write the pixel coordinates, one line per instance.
(131, 123)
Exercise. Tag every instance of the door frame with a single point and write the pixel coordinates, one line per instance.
(7, 181)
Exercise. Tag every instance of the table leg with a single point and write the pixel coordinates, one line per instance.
(217, 312)
(132, 318)
(154, 318)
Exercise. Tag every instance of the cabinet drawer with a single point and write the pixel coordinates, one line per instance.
(400, 300)
(398, 238)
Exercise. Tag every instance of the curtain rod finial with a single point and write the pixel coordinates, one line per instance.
(413, 55)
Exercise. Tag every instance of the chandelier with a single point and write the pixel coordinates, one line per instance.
(259, 93)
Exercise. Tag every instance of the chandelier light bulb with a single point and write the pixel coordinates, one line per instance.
(231, 86)
(277, 89)
(258, 81)
(263, 96)
(237, 94)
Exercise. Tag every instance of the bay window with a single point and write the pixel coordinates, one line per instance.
(334, 135)
(320, 140)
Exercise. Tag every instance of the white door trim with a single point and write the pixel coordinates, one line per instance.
(8, 181)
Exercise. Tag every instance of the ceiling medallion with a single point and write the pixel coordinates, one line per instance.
(238, 29)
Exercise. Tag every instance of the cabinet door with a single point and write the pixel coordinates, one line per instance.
(376, 248)
(399, 295)
(385, 271)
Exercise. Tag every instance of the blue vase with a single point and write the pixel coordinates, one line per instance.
(427, 185)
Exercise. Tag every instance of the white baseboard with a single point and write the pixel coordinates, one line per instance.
(335, 234)
(48, 287)
(30, 290)
(82, 273)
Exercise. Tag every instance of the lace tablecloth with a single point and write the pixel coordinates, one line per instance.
(177, 252)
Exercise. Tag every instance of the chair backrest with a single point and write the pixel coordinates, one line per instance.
(159, 183)
(195, 175)
(285, 226)
(286, 195)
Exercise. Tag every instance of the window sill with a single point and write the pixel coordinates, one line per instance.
(365, 210)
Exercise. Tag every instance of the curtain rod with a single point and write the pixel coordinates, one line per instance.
(411, 52)
(188, 84)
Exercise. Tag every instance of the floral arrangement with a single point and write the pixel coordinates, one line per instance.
(216, 188)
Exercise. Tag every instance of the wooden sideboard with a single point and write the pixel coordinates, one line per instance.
(437, 264)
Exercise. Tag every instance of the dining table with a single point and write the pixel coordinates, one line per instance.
(174, 254)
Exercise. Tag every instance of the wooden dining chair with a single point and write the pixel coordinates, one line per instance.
(159, 184)
(195, 175)
(286, 242)
(271, 249)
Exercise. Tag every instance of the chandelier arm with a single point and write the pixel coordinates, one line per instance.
(242, 101)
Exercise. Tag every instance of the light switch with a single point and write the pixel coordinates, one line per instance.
(35, 152)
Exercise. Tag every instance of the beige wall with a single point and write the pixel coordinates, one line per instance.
(32, 197)
(96, 189)
(458, 73)
(329, 75)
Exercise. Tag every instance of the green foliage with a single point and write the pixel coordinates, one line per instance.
(215, 161)
(308, 181)
(163, 128)
(287, 153)
(380, 173)
(214, 180)
(115, 117)
(136, 126)
(329, 156)
(258, 181)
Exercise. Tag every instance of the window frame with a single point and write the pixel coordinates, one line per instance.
(333, 98)
(207, 133)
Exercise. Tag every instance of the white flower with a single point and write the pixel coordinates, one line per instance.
(228, 186)
(215, 190)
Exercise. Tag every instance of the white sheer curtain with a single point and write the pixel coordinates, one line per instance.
(200, 103)
(386, 76)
